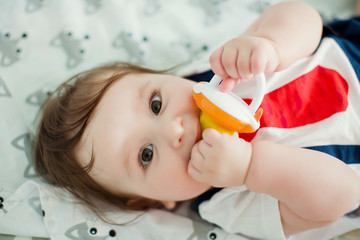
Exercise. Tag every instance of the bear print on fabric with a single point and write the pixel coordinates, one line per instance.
(89, 230)
(35, 204)
(72, 47)
(151, 7)
(34, 5)
(259, 6)
(211, 9)
(92, 6)
(23, 143)
(203, 231)
(11, 47)
(4, 92)
(190, 50)
(38, 97)
(3, 195)
(131, 46)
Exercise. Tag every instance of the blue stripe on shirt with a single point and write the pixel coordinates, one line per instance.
(349, 154)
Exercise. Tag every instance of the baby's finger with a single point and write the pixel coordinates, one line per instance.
(211, 136)
(258, 61)
(228, 59)
(215, 62)
(228, 84)
(271, 65)
(204, 148)
(243, 64)
(194, 173)
(196, 153)
(195, 162)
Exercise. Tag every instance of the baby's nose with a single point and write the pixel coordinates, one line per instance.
(175, 132)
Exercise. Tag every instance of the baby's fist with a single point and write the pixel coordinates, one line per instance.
(220, 160)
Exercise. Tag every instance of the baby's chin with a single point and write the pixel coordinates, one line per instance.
(195, 194)
(197, 187)
(204, 187)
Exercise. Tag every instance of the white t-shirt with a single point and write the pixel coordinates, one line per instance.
(302, 103)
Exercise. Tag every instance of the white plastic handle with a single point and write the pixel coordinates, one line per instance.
(215, 80)
(259, 94)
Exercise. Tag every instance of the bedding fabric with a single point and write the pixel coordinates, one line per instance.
(44, 42)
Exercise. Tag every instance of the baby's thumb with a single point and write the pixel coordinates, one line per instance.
(228, 84)
(211, 136)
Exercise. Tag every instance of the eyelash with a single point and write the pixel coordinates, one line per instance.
(154, 93)
(145, 165)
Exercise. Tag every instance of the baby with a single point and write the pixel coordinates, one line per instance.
(130, 137)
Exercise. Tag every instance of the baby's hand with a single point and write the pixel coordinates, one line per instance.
(242, 58)
(220, 160)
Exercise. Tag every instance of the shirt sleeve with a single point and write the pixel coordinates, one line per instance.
(237, 210)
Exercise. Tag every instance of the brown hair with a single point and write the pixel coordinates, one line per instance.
(63, 120)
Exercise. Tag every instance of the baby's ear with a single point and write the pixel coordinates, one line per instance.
(169, 204)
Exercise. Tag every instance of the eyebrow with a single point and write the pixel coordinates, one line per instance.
(142, 89)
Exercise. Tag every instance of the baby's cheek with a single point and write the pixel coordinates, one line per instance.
(171, 171)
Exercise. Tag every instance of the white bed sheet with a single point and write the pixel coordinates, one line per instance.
(44, 42)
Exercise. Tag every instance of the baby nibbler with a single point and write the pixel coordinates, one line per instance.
(227, 112)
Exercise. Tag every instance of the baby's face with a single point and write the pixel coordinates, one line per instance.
(141, 135)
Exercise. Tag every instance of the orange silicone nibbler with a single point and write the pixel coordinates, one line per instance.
(227, 112)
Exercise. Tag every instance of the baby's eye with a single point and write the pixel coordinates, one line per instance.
(155, 104)
(146, 155)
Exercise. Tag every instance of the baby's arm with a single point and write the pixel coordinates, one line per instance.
(313, 188)
(284, 33)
